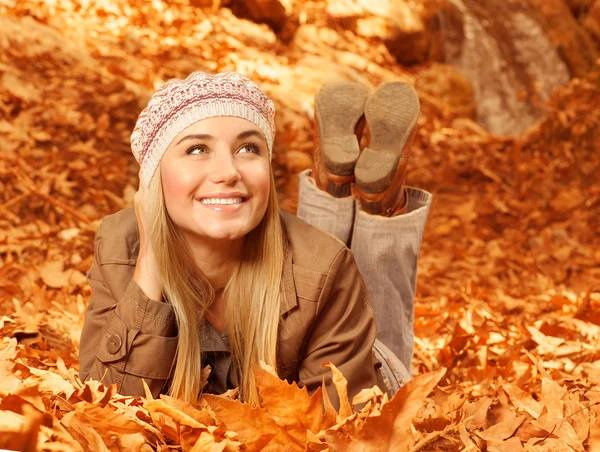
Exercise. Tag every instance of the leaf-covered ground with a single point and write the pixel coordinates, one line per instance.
(507, 311)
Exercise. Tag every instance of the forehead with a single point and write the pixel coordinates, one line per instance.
(220, 127)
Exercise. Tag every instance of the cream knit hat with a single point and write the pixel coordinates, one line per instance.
(180, 103)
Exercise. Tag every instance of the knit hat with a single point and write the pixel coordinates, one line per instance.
(180, 103)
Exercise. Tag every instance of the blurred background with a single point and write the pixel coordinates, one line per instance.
(508, 143)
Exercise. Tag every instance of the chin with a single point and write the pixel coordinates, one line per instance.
(219, 230)
(222, 232)
(222, 235)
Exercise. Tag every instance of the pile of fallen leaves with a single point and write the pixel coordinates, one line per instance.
(507, 346)
(54, 410)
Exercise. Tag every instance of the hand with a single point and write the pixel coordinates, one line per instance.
(146, 271)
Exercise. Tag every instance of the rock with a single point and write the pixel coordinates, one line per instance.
(573, 43)
(411, 33)
(274, 13)
(448, 86)
(502, 48)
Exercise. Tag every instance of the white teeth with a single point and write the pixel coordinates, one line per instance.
(222, 201)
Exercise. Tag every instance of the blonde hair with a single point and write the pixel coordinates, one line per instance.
(251, 295)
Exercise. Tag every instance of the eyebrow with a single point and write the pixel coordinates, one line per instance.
(208, 137)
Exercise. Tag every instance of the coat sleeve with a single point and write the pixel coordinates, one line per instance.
(343, 334)
(127, 337)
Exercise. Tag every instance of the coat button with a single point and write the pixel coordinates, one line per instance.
(114, 343)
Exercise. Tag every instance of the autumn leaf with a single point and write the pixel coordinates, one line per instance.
(291, 407)
(50, 382)
(253, 425)
(53, 275)
(20, 431)
(206, 442)
(83, 433)
(341, 386)
(523, 400)
(200, 415)
(391, 429)
(501, 431)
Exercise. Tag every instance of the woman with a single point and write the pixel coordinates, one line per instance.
(207, 270)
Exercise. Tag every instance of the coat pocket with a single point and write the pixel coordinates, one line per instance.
(309, 283)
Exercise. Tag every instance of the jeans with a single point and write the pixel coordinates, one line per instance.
(386, 251)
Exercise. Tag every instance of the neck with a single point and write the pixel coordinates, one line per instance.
(216, 258)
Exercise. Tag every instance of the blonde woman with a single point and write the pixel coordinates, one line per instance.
(206, 270)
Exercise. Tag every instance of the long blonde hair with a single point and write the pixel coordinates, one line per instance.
(251, 296)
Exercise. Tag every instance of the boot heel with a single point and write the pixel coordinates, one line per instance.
(339, 190)
(340, 154)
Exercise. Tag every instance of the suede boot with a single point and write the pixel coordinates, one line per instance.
(391, 114)
(339, 124)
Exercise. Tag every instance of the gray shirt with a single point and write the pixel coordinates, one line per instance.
(216, 352)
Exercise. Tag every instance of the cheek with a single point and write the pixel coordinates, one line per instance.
(176, 183)
(263, 182)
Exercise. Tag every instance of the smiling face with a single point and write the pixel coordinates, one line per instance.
(216, 179)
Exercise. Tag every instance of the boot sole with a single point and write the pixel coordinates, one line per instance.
(391, 113)
(338, 108)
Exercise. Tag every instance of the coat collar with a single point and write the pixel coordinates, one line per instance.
(288, 299)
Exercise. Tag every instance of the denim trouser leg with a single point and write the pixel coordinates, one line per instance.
(386, 252)
(323, 211)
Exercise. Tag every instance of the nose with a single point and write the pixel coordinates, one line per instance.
(224, 170)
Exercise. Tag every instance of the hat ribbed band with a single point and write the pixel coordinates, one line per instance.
(194, 113)
(180, 103)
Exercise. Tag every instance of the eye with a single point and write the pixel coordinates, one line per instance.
(202, 149)
(253, 148)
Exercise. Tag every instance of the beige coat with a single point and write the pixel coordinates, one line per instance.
(325, 316)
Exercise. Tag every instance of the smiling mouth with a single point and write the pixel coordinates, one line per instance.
(222, 201)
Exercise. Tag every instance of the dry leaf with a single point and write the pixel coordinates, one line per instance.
(253, 425)
(53, 275)
(291, 407)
